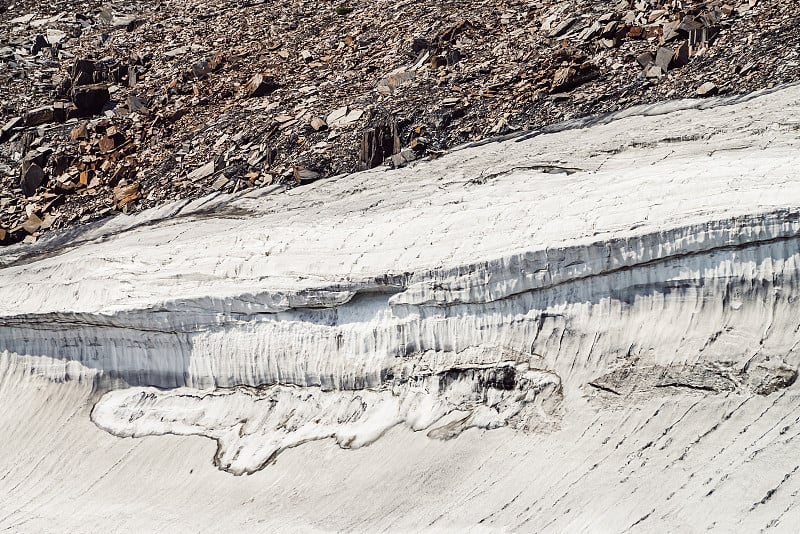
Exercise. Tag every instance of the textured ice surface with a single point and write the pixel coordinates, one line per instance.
(593, 329)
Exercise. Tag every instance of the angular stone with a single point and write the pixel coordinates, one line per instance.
(124, 194)
(336, 115)
(703, 35)
(636, 32)
(318, 124)
(562, 28)
(653, 71)
(395, 79)
(419, 44)
(203, 171)
(688, 24)
(644, 60)
(38, 116)
(669, 33)
(563, 78)
(32, 223)
(303, 175)
(219, 183)
(260, 85)
(79, 132)
(39, 43)
(201, 68)
(5, 130)
(31, 177)
(351, 117)
(663, 58)
(83, 72)
(106, 144)
(378, 144)
(176, 52)
(136, 104)
(90, 98)
(681, 55)
(707, 89)
(61, 110)
(54, 36)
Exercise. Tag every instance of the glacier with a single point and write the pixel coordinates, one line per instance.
(588, 328)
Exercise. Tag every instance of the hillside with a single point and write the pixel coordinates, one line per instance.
(123, 106)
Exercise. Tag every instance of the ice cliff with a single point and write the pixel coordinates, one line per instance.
(605, 314)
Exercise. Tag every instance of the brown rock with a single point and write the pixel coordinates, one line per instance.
(79, 132)
(681, 55)
(124, 194)
(106, 143)
(32, 223)
(635, 32)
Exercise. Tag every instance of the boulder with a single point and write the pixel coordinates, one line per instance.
(90, 98)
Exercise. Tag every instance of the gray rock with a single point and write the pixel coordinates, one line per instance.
(6, 129)
(562, 28)
(653, 71)
(31, 178)
(203, 171)
(38, 116)
(645, 60)
(664, 58)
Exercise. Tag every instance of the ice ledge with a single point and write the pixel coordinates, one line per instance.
(663, 264)
(438, 228)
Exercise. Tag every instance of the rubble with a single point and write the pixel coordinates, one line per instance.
(194, 92)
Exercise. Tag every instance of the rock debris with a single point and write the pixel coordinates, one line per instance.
(131, 104)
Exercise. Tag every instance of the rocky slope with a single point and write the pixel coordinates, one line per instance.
(122, 106)
(589, 330)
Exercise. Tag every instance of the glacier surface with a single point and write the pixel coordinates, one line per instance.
(587, 329)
